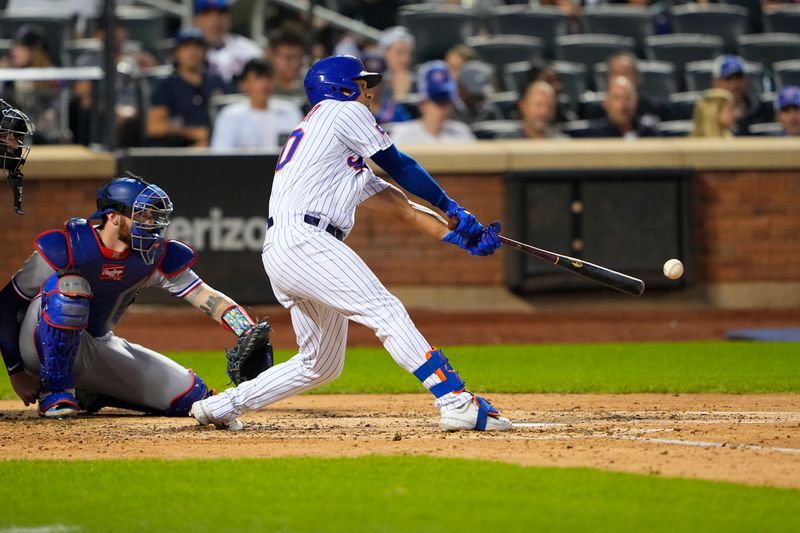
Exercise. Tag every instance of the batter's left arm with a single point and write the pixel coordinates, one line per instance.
(393, 202)
(220, 308)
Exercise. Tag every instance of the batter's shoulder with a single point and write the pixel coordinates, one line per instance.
(178, 257)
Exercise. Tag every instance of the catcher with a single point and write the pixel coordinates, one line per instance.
(58, 312)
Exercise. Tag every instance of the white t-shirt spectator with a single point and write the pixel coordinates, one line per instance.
(229, 60)
(413, 132)
(242, 126)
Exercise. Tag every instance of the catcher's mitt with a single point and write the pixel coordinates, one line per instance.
(252, 354)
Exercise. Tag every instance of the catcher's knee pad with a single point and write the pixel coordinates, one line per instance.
(64, 316)
(437, 364)
(181, 404)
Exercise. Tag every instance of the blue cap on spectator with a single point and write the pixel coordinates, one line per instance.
(727, 66)
(788, 97)
(189, 34)
(434, 82)
(206, 5)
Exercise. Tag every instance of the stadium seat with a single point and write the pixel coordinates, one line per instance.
(5, 47)
(754, 13)
(76, 48)
(723, 20)
(497, 129)
(681, 105)
(54, 31)
(675, 128)
(588, 49)
(680, 49)
(574, 127)
(699, 75)
(769, 48)
(590, 105)
(501, 50)
(786, 73)
(515, 75)
(658, 79)
(783, 19)
(506, 102)
(573, 80)
(635, 22)
(544, 22)
(437, 29)
(765, 129)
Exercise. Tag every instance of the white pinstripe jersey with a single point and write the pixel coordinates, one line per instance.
(321, 169)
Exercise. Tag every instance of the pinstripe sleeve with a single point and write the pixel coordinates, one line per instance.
(356, 128)
(373, 186)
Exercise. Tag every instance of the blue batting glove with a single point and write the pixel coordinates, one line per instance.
(468, 225)
(457, 239)
(489, 241)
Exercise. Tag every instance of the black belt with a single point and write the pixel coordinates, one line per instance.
(314, 221)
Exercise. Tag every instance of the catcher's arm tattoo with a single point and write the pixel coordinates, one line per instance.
(394, 202)
(210, 301)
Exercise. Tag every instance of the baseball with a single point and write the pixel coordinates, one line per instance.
(673, 269)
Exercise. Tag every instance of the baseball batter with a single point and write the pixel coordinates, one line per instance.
(58, 312)
(320, 179)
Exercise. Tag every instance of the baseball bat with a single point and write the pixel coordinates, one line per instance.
(598, 274)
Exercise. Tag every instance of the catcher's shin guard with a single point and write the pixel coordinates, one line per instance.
(64, 316)
(437, 364)
(181, 405)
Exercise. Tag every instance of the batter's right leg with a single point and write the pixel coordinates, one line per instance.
(321, 337)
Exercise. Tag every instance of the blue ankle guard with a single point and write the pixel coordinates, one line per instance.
(198, 391)
(437, 364)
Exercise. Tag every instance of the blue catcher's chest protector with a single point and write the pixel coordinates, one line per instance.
(115, 277)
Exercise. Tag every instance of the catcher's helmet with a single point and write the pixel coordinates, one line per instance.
(146, 204)
(15, 137)
(335, 78)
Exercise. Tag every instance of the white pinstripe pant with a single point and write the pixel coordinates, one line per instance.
(324, 283)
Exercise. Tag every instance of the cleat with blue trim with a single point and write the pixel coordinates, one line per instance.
(477, 414)
(58, 405)
(202, 414)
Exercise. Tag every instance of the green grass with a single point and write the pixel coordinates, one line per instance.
(375, 494)
(727, 367)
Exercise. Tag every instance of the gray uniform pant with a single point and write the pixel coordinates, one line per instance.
(112, 366)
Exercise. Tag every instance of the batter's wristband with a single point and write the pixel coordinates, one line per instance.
(235, 319)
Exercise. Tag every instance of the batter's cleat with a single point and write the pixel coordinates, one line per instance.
(58, 405)
(200, 412)
(477, 414)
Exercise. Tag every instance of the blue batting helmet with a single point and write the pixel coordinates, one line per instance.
(335, 78)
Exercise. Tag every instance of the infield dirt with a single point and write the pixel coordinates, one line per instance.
(752, 439)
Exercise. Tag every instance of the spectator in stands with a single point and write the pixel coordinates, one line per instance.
(475, 85)
(547, 73)
(457, 57)
(286, 51)
(714, 115)
(627, 65)
(179, 108)
(41, 100)
(439, 99)
(787, 110)
(131, 60)
(227, 52)
(397, 47)
(620, 105)
(729, 74)
(259, 122)
(538, 109)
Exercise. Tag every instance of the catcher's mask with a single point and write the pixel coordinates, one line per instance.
(147, 205)
(16, 131)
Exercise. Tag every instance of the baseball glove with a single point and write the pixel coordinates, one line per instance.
(252, 354)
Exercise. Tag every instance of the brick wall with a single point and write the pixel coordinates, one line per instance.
(747, 225)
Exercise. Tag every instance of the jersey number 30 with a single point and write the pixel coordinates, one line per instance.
(287, 153)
